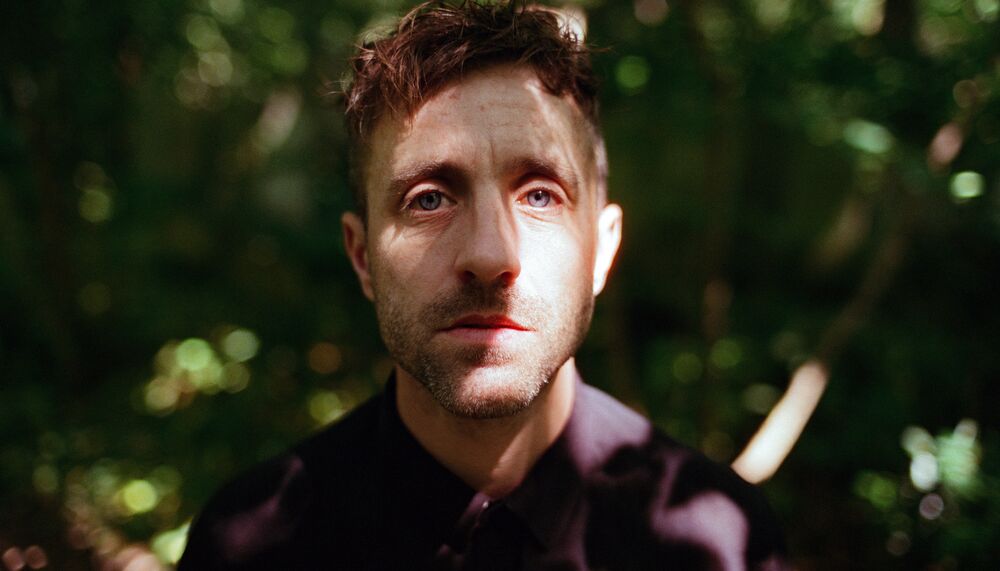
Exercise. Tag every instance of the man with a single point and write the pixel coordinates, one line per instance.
(482, 236)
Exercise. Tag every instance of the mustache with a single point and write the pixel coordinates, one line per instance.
(476, 297)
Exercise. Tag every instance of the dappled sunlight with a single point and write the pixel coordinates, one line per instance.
(944, 472)
(966, 185)
(699, 521)
(186, 368)
(781, 430)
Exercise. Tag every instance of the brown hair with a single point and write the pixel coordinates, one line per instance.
(437, 42)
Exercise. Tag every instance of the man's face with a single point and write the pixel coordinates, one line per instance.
(485, 242)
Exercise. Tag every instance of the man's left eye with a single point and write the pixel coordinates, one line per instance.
(539, 198)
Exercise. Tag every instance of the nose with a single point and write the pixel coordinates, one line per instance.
(489, 251)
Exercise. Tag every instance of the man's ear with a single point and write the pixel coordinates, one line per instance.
(609, 237)
(356, 245)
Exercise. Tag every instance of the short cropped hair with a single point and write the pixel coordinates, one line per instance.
(436, 43)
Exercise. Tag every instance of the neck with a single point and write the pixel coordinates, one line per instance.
(491, 455)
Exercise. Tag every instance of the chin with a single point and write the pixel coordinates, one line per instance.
(489, 393)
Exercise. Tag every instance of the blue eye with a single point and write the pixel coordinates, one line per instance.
(429, 200)
(539, 198)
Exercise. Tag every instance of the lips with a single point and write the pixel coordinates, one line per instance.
(486, 322)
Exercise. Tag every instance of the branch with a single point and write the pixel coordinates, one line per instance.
(784, 424)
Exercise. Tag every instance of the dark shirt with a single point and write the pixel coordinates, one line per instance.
(611, 493)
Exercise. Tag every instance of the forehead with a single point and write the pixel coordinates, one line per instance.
(500, 115)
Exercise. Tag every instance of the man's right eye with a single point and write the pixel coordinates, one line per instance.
(429, 200)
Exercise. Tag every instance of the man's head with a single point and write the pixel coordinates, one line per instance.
(437, 44)
(485, 234)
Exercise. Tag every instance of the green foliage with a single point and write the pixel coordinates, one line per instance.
(945, 507)
(798, 178)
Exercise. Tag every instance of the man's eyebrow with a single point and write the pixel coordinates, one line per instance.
(412, 174)
(547, 168)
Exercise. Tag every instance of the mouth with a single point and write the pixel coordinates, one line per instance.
(486, 322)
(485, 330)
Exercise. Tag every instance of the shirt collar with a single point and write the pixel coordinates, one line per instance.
(597, 428)
(547, 498)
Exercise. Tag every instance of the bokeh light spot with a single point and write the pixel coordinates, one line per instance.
(276, 24)
(726, 354)
(235, 377)
(325, 406)
(958, 457)
(133, 558)
(967, 185)
(877, 489)
(772, 14)
(651, 12)
(215, 68)
(203, 33)
(324, 358)
(230, 11)
(687, 367)
(194, 354)
(46, 479)
(190, 90)
(924, 471)
(945, 146)
(966, 93)
(290, 57)
(240, 345)
(916, 440)
(867, 136)
(208, 378)
(277, 120)
(161, 395)
(931, 506)
(13, 558)
(96, 205)
(867, 16)
(898, 543)
(166, 479)
(632, 73)
(35, 557)
(139, 496)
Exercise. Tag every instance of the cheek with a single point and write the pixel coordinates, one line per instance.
(402, 259)
(557, 262)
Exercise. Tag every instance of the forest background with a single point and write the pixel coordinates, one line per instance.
(802, 180)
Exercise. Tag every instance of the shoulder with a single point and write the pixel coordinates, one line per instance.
(267, 514)
(654, 489)
(705, 503)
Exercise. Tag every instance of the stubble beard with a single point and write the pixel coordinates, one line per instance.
(482, 382)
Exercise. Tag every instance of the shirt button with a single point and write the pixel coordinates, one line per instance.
(486, 504)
